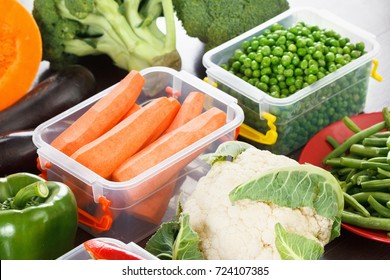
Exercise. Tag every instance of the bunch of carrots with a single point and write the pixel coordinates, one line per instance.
(119, 139)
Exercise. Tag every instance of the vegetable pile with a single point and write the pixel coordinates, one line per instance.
(217, 21)
(125, 30)
(20, 49)
(253, 204)
(362, 165)
(281, 61)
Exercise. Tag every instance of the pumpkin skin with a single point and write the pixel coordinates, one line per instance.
(20, 51)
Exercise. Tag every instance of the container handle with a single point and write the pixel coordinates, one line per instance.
(102, 224)
(252, 134)
(374, 74)
(99, 224)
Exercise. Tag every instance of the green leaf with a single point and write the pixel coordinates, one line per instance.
(187, 242)
(294, 187)
(228, 149)
(292, 246)
(175, 240)
(161, 244)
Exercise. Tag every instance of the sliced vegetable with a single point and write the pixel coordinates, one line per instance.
(106, 153)
(57, 93)
(169, 144)
(191, 107)
(101, 250)
(102, 116)
(20, 49)
(18, 153)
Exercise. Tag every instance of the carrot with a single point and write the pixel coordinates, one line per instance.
(164, 147)
(133, 109)
(20, 51)
(191, 107)
(169, 118)
(102, 116)
(106, 153)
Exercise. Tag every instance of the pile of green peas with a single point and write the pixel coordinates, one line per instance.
(282, 61)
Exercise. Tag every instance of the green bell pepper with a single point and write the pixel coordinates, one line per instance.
(38, 218)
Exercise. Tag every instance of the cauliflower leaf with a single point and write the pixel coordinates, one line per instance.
(295, 187)
(292, 246)
(175, 240)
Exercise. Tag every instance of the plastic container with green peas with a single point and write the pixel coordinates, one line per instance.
(307, 67)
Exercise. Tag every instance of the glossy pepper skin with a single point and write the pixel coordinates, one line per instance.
(45, 228)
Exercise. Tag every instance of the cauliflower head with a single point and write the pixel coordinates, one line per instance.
(253, 204)
(245, 230)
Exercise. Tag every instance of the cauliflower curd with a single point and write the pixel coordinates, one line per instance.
(246, 229)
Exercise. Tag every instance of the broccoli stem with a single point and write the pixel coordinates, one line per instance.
(136, 21)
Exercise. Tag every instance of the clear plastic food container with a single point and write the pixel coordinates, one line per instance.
(283, 125)
(115, 209)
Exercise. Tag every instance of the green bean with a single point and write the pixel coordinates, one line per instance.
(333, 162)
(369, 152)
(365, 222)
(376, 184)
(351, 162)
(377, 142)
(351, 124)
(369, 172)
(384, 172)
(378, 159)
(381, 134)
(386, 116)
(355, 205)
(333, 142)
(354, 139)
(363, 178)
(382, 210)
(380, 196)
(375, 165)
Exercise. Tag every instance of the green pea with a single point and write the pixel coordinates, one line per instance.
(311, 79)
(245, 44)
(262, 86)
(266, 50)
(266, 62)
(264, 79)
(277, 51)
(360, 46)
(330, 57)
(259, 57)
(286, 60)
(288, 72)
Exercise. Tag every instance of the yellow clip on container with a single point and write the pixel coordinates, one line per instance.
(304, 113)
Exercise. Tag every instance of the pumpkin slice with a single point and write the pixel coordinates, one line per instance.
(20, 51)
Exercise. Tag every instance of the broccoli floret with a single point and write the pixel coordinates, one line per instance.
(217, 21)
(125, 30)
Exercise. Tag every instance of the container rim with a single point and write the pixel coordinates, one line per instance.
(259, 96)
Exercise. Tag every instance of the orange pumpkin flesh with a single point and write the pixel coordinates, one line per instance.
(20, 51)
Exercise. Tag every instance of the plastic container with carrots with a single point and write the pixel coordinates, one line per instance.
(132, 209)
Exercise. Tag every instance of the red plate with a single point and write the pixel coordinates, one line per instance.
(317, 148)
